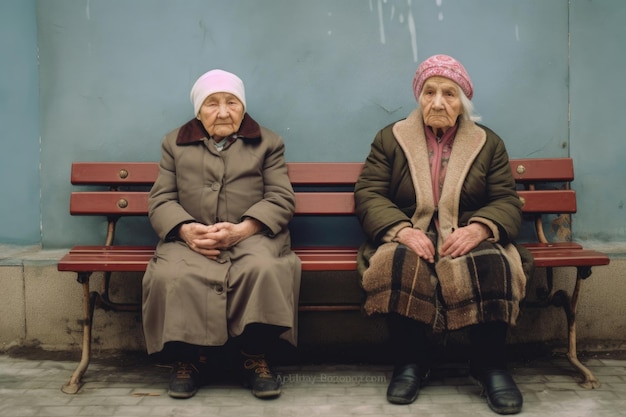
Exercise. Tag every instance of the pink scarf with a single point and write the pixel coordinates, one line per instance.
(439, 150)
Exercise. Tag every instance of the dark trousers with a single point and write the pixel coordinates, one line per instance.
(488, 345)
(410, 343)
(258, 338)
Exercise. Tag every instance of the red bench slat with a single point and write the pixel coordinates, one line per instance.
(144, 173)
(126, 203)
(548, 201)
(121, 173)
(325, 203)
(318, 173)
(537, 246)
(542, 169)
(137, 173)
(135, 203)
(571, 257)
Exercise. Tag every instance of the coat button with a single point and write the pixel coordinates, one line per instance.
(215, 186)
(219, 289)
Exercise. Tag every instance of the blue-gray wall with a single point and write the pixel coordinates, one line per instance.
(598, 122)
(19, 124)
(114, 77)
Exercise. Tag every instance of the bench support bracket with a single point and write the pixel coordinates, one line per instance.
(89, 301)
(569, 304)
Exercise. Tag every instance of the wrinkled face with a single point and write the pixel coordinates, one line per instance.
(440, 103)
(221, 115)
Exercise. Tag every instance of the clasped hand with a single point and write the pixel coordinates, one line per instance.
(210, 240)
(458, 243)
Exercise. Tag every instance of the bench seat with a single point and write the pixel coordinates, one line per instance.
(136, 258)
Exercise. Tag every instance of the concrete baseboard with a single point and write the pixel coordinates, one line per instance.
(42, 307)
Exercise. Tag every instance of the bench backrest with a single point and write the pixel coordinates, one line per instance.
(315, 184)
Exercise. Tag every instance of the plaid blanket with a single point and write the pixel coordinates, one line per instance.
(485, 285)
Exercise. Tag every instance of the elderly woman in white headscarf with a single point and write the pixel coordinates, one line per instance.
(223, 268)
(437, 202)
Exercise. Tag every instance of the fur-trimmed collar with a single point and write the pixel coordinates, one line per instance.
(469, 141)
(194, 132)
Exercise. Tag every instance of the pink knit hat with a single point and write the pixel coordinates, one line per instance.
(443, 66)
(216, 81)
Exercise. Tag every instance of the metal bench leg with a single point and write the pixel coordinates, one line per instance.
(569, 305)
(89, 299)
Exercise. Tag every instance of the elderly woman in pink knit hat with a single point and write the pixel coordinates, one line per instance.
(437, 202)
(223, 269)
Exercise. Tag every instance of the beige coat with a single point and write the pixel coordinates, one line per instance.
(190, 298)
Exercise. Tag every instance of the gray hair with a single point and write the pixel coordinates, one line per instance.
(469, 112)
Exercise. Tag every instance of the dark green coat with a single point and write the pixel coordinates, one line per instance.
(394, 191)
(479, 184)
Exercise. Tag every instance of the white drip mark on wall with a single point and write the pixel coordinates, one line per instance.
(88, 17)
(410, 22)
(440, 14)
(517, 32)
(413, 32)
(380, 22)
(330, 32)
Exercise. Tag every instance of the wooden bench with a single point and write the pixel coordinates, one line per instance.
(110, 189)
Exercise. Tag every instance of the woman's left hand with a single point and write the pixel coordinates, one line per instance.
(464, 239)
(225, 235)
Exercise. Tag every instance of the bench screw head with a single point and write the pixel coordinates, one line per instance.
(122, 203)
(521, 169)
(123, 173)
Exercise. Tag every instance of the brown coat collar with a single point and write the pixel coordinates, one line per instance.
(194, 132)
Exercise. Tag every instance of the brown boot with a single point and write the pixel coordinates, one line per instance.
(183, 380)
(259, 377)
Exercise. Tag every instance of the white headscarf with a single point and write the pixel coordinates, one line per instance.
(216, 81)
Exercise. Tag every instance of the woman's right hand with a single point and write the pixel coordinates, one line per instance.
(196, 236)
(418, 242)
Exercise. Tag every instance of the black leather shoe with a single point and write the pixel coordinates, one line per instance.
(183, 380)
(502, 393)
(405, 384)
(259, 378)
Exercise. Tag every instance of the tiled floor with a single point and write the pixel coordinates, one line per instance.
(126, 386)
